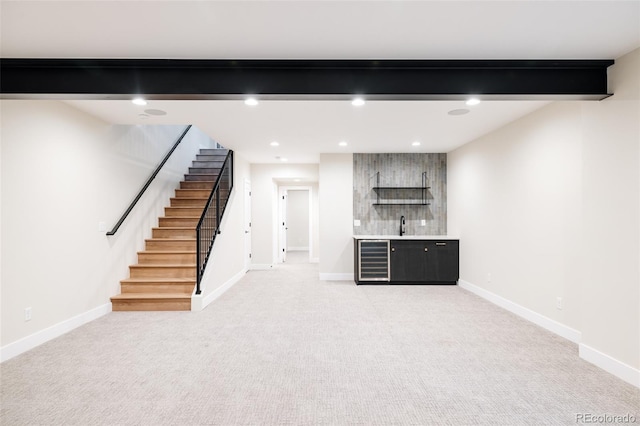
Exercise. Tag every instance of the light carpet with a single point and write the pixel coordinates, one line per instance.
(283, 348)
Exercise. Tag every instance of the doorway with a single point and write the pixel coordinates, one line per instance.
(295, 236)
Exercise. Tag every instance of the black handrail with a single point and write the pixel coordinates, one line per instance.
(209, 224)
(146, 185)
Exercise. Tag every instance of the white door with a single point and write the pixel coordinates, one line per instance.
(282, 224)
(247, 225)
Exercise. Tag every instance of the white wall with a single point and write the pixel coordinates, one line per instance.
(611, 217)
(1, 184)
(64, 172)
(549, 207)
(336, 216)
(514, 196)
(315, 224)
(265, 179)
(298, 219)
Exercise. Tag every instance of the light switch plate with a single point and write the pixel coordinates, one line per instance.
(423, 222)
(356, 222)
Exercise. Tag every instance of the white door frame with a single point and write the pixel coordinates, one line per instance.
(247, 224)
(282, 218)
(282, 224)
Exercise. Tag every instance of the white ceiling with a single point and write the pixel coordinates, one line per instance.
(304, 129)
(321, 30)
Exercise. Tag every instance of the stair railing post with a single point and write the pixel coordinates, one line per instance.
(231, 173)
(199, 261)
(218, 210)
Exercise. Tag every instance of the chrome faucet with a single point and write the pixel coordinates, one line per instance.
(403, 229)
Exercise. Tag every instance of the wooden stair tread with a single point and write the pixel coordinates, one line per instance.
(178, 221)
(164, 265)
(160, 280)
(165, 250)
(181, 228)
(170, 239)
(190, 198)
(202, 184)
(136, 296)
(168, 251)
(168, 244)
(172, 214)
(193, 193)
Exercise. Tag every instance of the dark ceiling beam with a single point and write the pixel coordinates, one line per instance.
(302, 79)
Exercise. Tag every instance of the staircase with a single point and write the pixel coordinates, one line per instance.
(165, 276)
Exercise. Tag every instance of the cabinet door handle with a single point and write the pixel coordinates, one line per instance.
(441, 244)
(393, 249)
(426, 249)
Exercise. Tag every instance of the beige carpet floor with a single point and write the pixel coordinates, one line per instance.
(283, 348)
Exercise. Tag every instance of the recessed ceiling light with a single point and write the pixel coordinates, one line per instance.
(357, 102)
(139, 101)
(297, 180)
(274, 143)
(472, 101)
(343, 143)
(283, 159)
(251, 101)
(416, 143)
(461, 111)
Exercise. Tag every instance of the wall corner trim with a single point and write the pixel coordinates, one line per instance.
(38, 338)
(547, 323)
(198, 302)
(348, 276)
(610, 365)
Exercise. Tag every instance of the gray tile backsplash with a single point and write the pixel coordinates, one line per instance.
(399, 170)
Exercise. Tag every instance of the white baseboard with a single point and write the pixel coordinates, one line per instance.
(298, 249)
(199, 302)
(36, 339)
(610, 365)
(553, 326)
(260, 266)
(336, 277)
